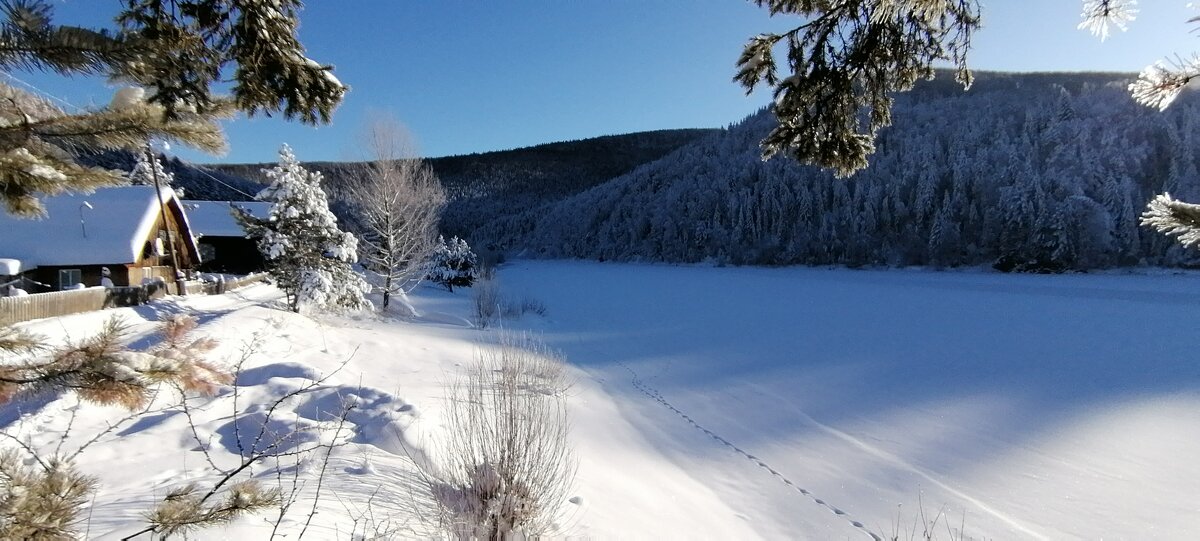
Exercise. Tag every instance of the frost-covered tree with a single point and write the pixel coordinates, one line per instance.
(307, 255)
(1001, 165)
(453, 263)
(398, 200)
(171, 54)
(147, 169)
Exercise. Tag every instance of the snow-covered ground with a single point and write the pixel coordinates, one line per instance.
(728, 403)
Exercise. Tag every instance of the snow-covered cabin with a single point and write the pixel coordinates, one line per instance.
(119, 228)
(223, 243)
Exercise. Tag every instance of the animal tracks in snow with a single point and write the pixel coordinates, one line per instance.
(653, 394)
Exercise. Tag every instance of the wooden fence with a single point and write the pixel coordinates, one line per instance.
(61, 303)
(57, 303)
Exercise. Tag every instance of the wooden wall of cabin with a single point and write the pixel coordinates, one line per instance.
(178, 245)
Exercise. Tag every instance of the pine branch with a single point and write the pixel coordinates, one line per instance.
(850, 57)
(43, 502)
(29, 41)
(1174, 218)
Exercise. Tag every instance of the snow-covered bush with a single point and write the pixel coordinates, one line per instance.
(307, 255)
(453, 263)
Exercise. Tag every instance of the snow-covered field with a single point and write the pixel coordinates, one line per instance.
(728, 403)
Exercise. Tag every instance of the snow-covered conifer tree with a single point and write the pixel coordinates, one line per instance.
(147, 167)
(453, 263)
(306, 253)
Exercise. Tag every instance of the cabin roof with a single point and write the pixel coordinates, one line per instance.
(107, 226)
(215, 218)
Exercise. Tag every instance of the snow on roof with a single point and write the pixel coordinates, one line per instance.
(215, 219)
(110, 225)
(9, 267)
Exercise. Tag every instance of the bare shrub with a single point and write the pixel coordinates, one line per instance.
(489, 304)
(925, 526)
(508, 463)
(526, 305)
(486, 300)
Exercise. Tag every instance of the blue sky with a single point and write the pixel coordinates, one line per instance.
(474, 76)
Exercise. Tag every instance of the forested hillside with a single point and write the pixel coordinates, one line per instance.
(483, 186)
(1026, 172)
(202, 182)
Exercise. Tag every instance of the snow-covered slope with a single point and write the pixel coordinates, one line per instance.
(722, 403)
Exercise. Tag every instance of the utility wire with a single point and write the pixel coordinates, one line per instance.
(39, 91)
(194, 166)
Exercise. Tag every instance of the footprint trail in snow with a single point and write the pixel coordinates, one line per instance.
(653, 394)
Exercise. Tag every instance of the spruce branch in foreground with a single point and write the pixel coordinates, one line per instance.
(850, 57)
(172, 54)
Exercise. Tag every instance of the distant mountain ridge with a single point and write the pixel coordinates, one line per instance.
(484, 185)
(556, 168)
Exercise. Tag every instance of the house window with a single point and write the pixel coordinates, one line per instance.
(69, 278)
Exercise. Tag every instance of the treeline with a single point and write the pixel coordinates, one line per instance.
(483, 186)
(1034, 172)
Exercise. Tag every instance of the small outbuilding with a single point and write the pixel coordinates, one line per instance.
(138, 234)
(223, 243)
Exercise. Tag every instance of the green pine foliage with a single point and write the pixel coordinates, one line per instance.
(171, 53)
(45, 497)
(849, 57)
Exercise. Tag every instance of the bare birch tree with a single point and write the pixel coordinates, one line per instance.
(400, 201)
